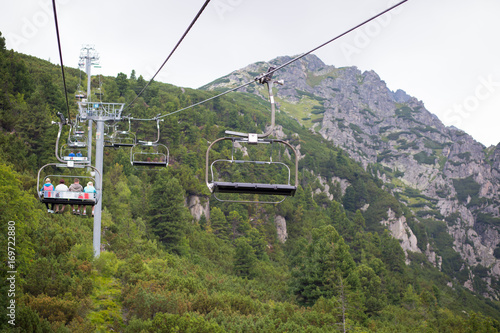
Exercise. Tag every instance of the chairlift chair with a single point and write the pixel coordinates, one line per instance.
(80, 95)
(216, 185)
(108, 140)
(71, 154)
(75, 140)
(66, 197)
(72, 151)
(123, 138)
(285, 189)
(79, 127)
(150, 154)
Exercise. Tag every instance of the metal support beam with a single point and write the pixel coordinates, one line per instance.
(99, 150)
(89, 57)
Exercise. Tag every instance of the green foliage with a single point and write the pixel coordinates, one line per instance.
(219, 224)
(487, 219)
(466, 187)
(159, 270)
(167, 212)
(188, 323)
(325, 259)
(244, 258)
(424, 158)
(122, 83)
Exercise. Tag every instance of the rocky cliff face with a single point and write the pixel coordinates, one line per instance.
(440, 173)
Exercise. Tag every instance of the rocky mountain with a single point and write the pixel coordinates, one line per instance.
(448, 180)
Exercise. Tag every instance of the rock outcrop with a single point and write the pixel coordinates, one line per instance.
(441, 173)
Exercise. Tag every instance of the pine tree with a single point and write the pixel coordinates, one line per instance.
(244, 258)
(349, 199)
(324, 260)
(219, 223)
(167, 211)
(359, 221)
(122, 83)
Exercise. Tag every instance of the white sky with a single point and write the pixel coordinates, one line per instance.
(445, 53)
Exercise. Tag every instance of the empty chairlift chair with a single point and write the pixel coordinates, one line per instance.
(122, 138)
(150, 154)
(108, 140)
(77, 140)
(222, 175)
(227, 175)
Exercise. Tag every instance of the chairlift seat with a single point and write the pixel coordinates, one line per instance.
(254, 188)
(123, 144)
(77, 144)
(75, 158)
(68, 198)
(149, 163)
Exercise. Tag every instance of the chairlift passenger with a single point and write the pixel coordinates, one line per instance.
(61, 188)
(76, 187)
(48, 187)
(89, 189)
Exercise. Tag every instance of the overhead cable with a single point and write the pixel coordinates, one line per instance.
(172, 52)
(285, 64)
(61, 57)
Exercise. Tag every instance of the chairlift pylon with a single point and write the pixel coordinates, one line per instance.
(284, 189)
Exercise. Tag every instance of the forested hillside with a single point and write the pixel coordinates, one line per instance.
(165, 269)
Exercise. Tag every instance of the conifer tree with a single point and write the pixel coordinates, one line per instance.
(324, 260)
(167, 211)
(122, 83)
(219, 223)
(244, 258)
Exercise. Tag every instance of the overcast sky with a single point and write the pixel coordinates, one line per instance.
(445, 53)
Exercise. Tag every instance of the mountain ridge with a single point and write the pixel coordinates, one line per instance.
(439, 172)
(224, 267)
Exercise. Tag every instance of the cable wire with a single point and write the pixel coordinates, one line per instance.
(61, 57)
(281, 66)
(171, 53)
